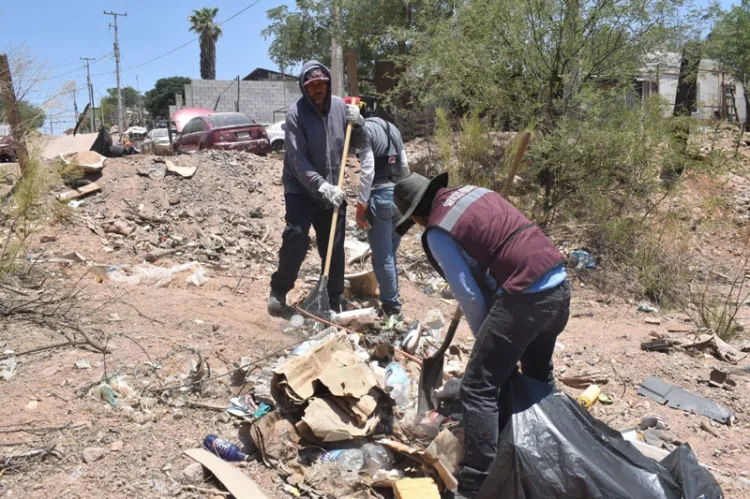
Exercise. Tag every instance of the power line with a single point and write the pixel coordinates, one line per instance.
(192, 40)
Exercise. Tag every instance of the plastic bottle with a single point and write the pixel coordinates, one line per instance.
(377, 457)
(589, 396)
(225, 450)
(351, 460)
(398, 380)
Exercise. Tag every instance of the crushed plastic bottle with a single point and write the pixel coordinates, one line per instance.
(397, 380)
(423, 426)
(377, 457)
(582, 260)
(225, 450)
(350, 460)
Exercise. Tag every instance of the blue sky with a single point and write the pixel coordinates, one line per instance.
(59, 33)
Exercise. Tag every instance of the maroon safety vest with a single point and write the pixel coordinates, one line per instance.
(495, 234)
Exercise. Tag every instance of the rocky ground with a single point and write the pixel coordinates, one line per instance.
(228, 218)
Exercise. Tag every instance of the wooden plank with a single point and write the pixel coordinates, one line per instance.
(236, 482)
(80, 192)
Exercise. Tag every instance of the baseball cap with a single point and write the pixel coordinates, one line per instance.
(315, 74)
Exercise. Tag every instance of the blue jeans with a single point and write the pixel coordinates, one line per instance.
(382, 215)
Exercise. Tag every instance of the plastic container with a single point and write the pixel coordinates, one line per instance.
(377, 457)
(589, 396)
(397, 380)
(582, 260)
(225, 450)
(351, 460)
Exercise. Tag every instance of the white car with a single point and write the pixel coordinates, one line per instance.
(276, 135)
(156, 142)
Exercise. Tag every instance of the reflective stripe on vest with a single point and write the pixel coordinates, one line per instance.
(461, 200)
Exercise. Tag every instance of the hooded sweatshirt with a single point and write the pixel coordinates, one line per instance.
(314, 141)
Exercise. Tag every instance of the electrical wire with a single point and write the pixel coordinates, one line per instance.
(192, 40)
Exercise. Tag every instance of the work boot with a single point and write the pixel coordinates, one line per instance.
(277, 305)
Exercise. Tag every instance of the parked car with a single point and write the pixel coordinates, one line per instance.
(234, 131)
(7, 149)
(276, 135)
(156, 142)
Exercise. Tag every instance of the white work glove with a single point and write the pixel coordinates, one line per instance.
(353, 115)
(332, 194)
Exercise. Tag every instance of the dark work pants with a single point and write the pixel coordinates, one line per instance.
(301, 212)
(517, 328)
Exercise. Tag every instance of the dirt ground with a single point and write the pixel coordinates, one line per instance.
(229, 217)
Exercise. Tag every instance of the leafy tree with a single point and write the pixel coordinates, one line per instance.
(159, 98)
(130, 97)
(202, 22)
(520, 61)
(32, 117)
(729, 43)
(375, 30)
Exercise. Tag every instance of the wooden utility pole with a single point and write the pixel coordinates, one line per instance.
(351, 71)
(17, 129)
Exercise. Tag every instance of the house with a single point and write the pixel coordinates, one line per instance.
(718, 94)
(260, 74)
(263, 95)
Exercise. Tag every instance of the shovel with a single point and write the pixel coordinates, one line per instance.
(318, 303)
(431, 376)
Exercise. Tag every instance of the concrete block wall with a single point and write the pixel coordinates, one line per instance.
(258, 99)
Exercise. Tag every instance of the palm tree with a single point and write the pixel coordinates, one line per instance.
(202, 22)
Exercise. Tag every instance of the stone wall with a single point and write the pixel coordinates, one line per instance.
(258, 99)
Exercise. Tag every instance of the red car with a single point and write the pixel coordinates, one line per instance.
(7, 149)
(223, 131)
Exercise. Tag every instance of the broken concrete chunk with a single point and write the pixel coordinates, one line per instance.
(192, 474)
(93, 454)
(182, 171)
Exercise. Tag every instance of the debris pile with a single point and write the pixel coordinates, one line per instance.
(342, 419)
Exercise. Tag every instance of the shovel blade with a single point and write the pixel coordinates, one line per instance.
(430, 378)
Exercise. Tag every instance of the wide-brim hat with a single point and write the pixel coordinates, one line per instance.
(409, 192)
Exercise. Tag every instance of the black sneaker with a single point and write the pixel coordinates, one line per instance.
(389, 311)
(277, 305)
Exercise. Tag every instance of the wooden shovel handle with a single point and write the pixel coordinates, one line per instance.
(335, 217)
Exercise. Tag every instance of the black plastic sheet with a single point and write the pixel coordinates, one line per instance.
(550, 447)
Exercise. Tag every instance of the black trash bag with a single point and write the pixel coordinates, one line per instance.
(694, 480)
(103, 145)
(550, 447)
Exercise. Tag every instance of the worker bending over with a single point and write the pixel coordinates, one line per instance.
(510, 282)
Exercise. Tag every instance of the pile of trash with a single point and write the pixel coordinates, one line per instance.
(337, 415)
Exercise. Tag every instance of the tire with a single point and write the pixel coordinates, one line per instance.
(278, 145)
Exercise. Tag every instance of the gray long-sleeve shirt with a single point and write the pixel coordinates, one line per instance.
(374, 143)
(314, 141)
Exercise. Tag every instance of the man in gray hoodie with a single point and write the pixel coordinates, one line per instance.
(314, 136)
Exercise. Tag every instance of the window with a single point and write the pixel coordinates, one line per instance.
(221, 120)
(198, 125)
